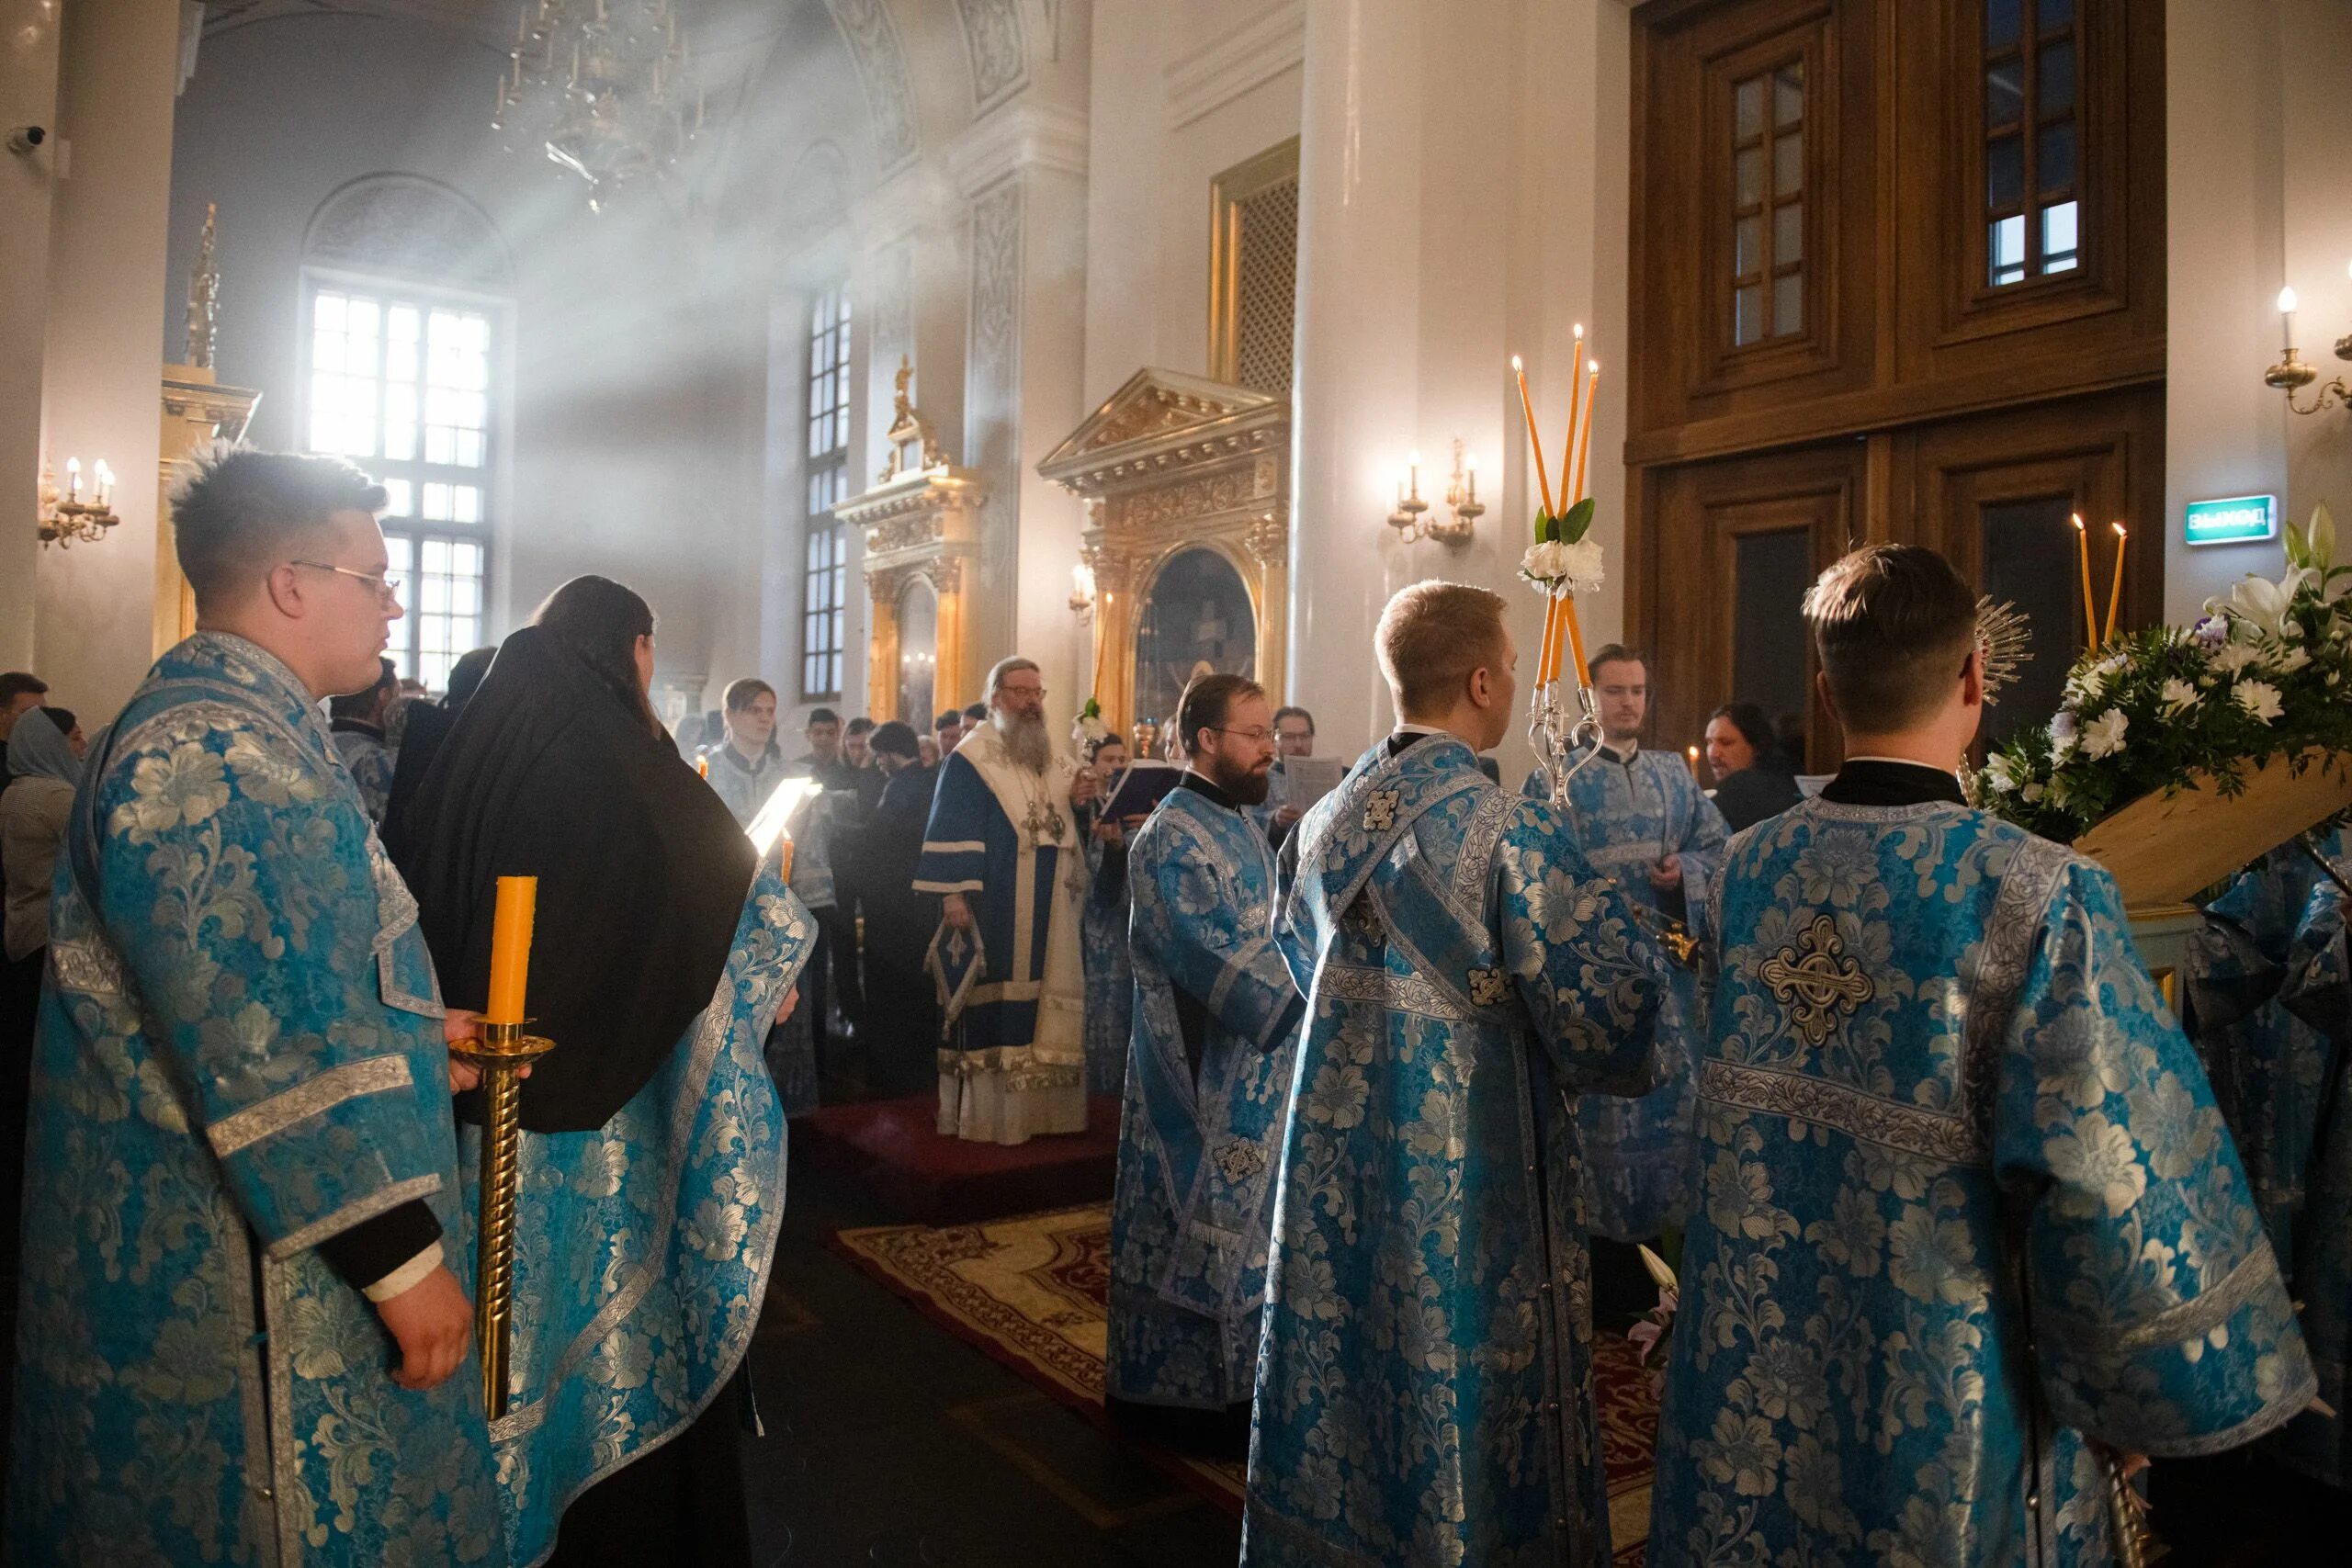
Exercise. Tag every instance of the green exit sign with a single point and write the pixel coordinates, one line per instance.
(2236, 520)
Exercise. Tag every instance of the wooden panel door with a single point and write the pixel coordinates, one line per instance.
(1995, 493)
(1737, 544)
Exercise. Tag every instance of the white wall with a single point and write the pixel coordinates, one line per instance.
(1442, 232)
(27, 97)
(119, 70)
(1148, 213)
(2259, 194)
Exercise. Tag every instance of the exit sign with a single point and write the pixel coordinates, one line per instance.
(2238, 520)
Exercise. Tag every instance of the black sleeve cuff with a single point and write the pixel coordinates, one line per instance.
(373, 1249)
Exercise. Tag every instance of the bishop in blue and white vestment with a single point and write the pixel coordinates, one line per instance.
(1630, 808)
(1970, 1221)
(1004, 836)
(1425, 1388)
(1215, 1020)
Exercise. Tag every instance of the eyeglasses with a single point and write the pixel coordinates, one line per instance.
(1020, 691)
(1255, 736)
(387, 586)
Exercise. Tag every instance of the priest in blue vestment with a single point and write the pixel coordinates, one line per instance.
(652, 1153)
(2270, 983)
(1972, 1236)
(1110, 979)
(1643, 822)
(1216, 1018)
(1424, 1391)
(1002, 851)
(242, 1333)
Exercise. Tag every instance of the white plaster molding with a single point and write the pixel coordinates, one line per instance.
(908, 202)
(1022, 135)
(998, 46)
(1214, 74)
(872, 35)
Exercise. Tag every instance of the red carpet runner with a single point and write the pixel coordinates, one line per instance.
(1030, 1292)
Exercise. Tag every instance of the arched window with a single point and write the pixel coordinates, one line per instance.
(405, 321)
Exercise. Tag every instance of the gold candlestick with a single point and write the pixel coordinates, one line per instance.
(499, 1051)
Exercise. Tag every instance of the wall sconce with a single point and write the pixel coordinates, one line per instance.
(1081, 589)
(64, 518)
(1461, 502)
(2291, 375)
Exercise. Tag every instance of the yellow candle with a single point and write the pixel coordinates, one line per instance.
(785, 869)
(1576, 638)
(1547, 659)
(1576, 396)
(510, 948)
(2115, 593)
(1693, 752)
(2090, 607)
(1528, 408)
(1585, 450)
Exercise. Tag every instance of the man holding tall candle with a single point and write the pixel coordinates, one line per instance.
(241, 1302)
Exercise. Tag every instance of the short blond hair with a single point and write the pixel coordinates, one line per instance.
(1432, 636)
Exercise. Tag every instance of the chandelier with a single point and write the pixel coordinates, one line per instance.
(600, 85)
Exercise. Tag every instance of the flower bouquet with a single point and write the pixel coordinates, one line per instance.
(1089, 726)
(2177, 757)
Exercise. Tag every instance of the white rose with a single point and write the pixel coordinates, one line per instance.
(1584, 565)
(1545, 562)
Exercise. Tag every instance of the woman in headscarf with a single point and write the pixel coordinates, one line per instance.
(44, 769)
(1752, 781)
(652, 1150)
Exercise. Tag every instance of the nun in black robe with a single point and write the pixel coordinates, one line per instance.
(652, 1153)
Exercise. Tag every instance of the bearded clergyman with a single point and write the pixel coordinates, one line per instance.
(1207, 1084)
(1002, 851)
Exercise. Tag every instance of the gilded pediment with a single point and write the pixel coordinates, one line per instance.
(1157, 409)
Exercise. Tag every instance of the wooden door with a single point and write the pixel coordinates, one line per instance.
(1737, 543)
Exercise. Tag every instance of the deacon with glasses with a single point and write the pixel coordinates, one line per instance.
(1208, 1075)
(242, 1296)
(1971, 1235)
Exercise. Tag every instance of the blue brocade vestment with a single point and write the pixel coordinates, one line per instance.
(2271, 986)
(1425, 1386)
(1214, 1011)
(643, 1247)
(1627, 815)
(240, 1056)
(1966, 1201)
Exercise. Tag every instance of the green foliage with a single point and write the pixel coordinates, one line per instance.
(2267, 670)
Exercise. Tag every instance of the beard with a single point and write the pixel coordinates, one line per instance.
(1246, 787)
(1024, 738)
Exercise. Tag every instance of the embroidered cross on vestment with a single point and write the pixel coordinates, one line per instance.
(1814, 979)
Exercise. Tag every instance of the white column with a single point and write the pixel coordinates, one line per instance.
(118, 73)
(28, 180)
(1462, 199)
(1023, 173)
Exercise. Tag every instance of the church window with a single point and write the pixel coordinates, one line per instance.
(399, 381)
(824, 582)
(1768, 123)
(2032, 150)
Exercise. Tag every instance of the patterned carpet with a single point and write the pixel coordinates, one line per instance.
(1030, 1292)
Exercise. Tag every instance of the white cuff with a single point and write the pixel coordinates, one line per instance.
(406, 1277)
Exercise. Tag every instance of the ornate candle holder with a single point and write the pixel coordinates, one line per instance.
(499, 1051)
(1555, 730)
